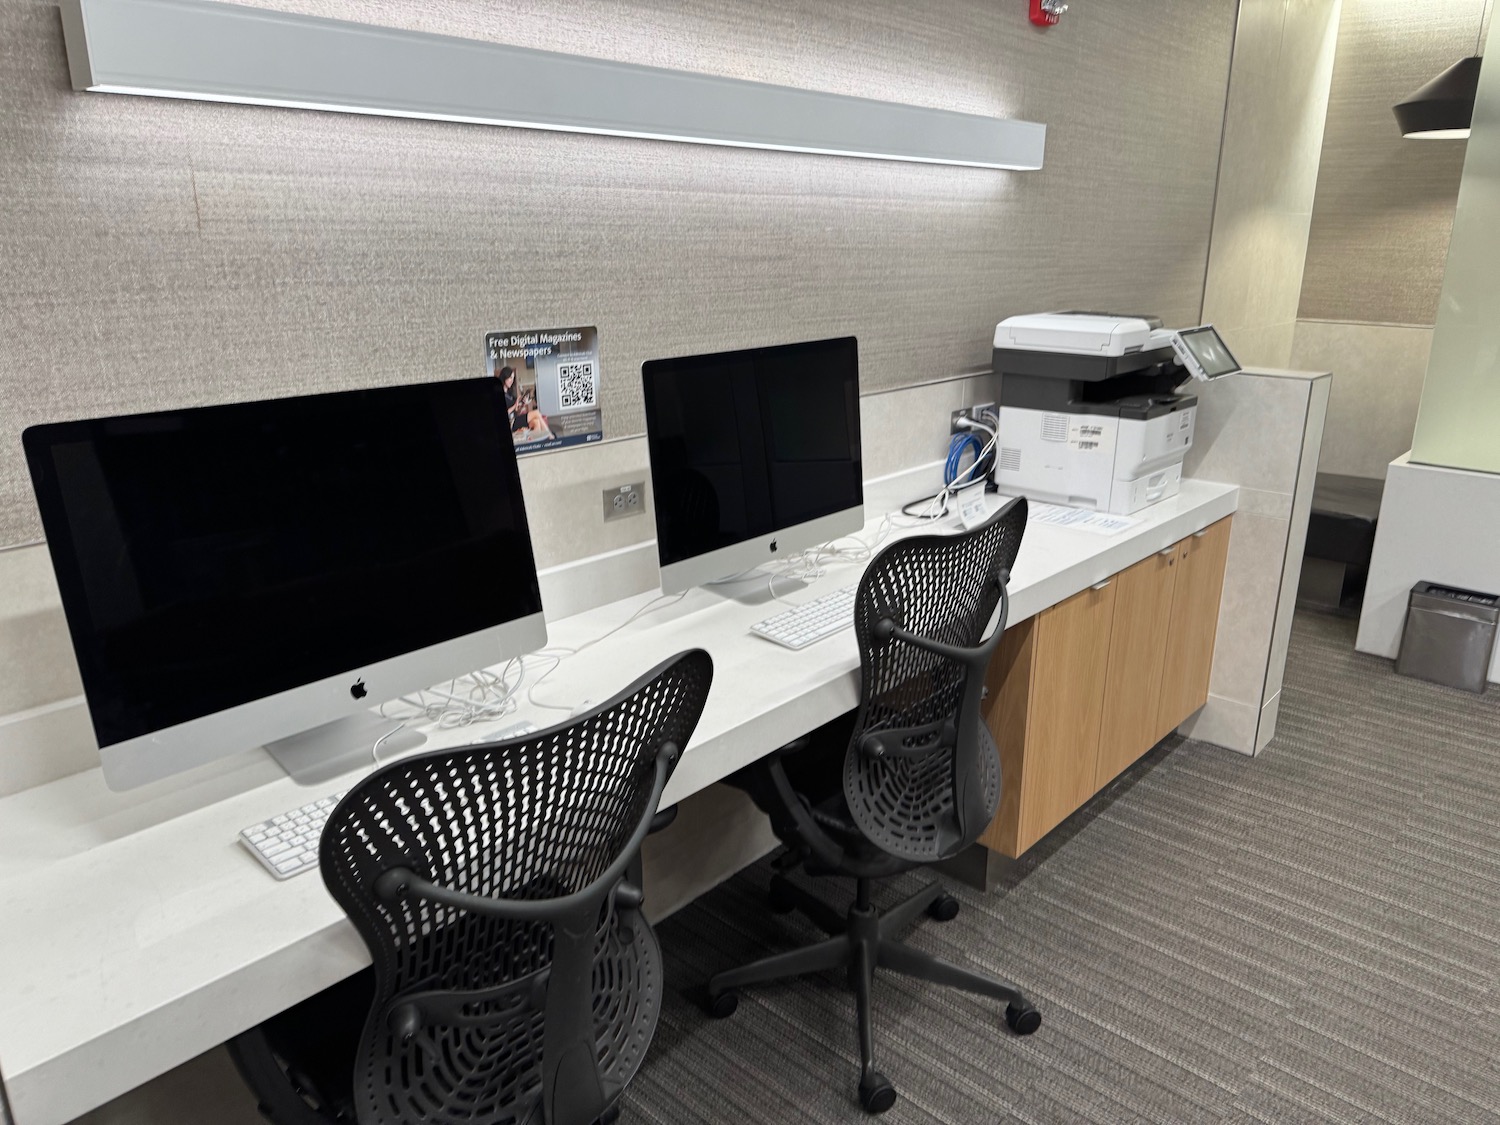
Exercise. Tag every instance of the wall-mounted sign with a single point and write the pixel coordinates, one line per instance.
(551, 378)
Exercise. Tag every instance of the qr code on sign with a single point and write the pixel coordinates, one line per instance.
(576, 385)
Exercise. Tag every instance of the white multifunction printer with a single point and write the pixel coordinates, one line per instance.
(1090, 414)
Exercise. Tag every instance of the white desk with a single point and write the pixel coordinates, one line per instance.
(136, 932)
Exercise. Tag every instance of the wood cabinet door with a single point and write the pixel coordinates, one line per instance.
(1195, 622)
(1066, 705)
(1137, 651)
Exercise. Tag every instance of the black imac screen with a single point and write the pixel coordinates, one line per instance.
(214, 556)
(748, 443)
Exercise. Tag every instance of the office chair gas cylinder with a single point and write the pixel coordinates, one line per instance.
(515, 979)
(911, 777)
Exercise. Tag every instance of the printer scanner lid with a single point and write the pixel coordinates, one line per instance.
(1097, 334)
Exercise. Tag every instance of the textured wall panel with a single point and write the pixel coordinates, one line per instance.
(157, 253)
(1384, 209)
(1273, 136)
(1377, 383)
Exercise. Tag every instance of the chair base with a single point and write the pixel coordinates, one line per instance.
(860, 942)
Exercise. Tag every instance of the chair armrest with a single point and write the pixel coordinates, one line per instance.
(886, 630)
(397, 883)
(887, 743)
(409, 1013)
(811, 833)
(663, 819)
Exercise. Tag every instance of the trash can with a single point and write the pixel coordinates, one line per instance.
(1449, 637)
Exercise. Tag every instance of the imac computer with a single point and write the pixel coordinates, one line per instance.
(754, 455)
(263, 573)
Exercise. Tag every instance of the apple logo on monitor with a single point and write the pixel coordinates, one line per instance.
(357, 689)
(773, 546)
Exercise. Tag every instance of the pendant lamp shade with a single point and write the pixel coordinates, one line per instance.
(1444, 108)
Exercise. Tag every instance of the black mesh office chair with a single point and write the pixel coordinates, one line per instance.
(515, 979)
(919, 778)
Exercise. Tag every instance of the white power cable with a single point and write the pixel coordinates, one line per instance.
(963, 480)
(558, 653)
(490, 696)
(473, 697)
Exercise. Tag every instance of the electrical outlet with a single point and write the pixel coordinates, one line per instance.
(624, 501)
(968, 412)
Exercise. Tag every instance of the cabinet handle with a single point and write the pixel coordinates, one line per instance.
(1200, 534)
(1168, 552)
(1101, 585)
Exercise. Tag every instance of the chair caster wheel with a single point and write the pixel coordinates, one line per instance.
(943, 909)
(875, 1093)
(777, 898)
(1022, 1018)
(723, 1005)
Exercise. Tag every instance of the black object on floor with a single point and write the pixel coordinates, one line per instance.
(1340, 540)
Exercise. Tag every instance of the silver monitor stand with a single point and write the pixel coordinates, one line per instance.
(332, 749)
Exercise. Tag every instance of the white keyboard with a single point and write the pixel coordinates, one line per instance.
(811, 621)
(505, 734)
(287, 845)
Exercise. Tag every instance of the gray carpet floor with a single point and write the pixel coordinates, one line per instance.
(1311, 935)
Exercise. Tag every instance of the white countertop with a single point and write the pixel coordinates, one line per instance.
(137, 933)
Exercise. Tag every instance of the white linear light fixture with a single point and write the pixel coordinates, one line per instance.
(202, 50)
